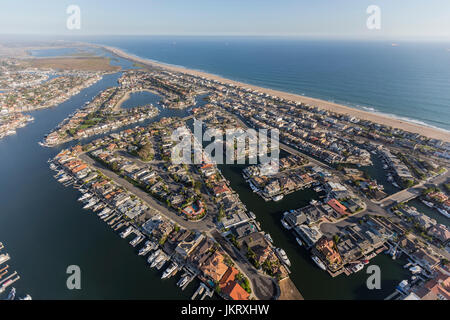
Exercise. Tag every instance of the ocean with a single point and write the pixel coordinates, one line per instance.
(410, 81)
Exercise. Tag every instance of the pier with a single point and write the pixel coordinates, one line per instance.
(200, 290)
(7, 281)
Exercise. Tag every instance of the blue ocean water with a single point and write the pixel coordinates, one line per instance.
(407, 80)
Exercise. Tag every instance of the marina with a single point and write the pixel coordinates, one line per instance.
(8, 278)
(114, 220)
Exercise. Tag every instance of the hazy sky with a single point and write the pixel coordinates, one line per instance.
(316, 18)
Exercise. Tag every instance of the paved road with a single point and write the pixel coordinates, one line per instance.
(262, 285)
(413, 192)
(204, 225)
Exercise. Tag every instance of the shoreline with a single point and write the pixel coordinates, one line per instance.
(430, 132)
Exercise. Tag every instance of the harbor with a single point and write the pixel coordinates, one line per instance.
(161, 258)
(8, 278)
(78, 236)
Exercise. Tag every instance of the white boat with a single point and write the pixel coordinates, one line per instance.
(357, 267)
(4, 258)
(183, 281)
(427, 203)
(169, 270)
(105, 211)
(126, 233)
(85, 197)
(12, 294)
(98, 207)
(153, 256)
(443, 212)
(285, 225)
(91, 203)
(146, 248)
(27, 297)
(161, 263)
(160, 257)
(268, 237)
(278, 198)
(319, 263)
(396, 185)
(300, 243)
(283, 256)
(415, 270)
(136, 240)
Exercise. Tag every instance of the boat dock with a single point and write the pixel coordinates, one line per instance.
(4, 258)
(8, 281)
(199, 291)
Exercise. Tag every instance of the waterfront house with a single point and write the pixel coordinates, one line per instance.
(214, 267)
(338, 207)
(310, 235)
(230, 287)
(185, 248)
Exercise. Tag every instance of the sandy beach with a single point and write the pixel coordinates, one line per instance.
(333, 107)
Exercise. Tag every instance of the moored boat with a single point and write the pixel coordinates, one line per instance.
(319, 263)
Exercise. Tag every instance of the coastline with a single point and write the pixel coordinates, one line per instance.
(430, 132)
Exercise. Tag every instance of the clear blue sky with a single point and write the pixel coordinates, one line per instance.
(316, 18)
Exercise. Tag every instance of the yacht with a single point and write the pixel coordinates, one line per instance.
(283, 256)
(12, 294)
(126, 233)
(160, 257)
(146, 248)
(153, 256)
(85, 197)
(318, 262)
(278, 198)
(268, 237)
(98, 207)
(27, 297)
(183, 281)
(161, 263)
(4, 258)
(300, 243)
(443, 212)
(169, 270)
(285, 225)
(91, 203)
(136, 240)
(415, 270)
(105, 211)
(428, 204)
(357, 267)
